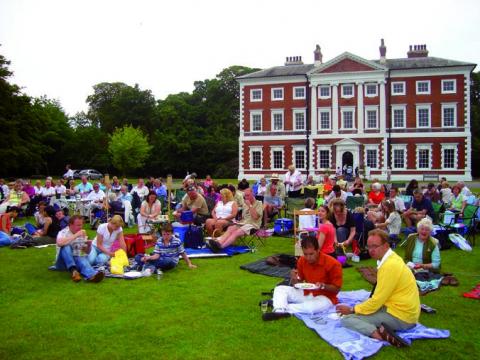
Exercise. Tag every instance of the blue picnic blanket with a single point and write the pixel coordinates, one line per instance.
(206, 252)
(352, 344)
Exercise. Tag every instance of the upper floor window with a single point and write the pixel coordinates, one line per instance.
(324, 119)
(348, 119)
(423, 116)
(371, 118)
(299, 92)
(371, 90)
(398, 116)
(299, 119)
(449, 115)
(449, 86)
(423, 87)
(347, 91)
(255, 95)
(277, 94)
(398, 88)
(256, 121)
(324, 92)
(277, 120)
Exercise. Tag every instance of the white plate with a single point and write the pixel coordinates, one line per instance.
(132, 275)
(305, 286)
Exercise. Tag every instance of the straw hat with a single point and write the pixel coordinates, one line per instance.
(274, 177)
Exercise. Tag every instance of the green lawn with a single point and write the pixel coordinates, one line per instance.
(208, 313)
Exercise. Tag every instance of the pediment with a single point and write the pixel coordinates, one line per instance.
(346, 142)
(347, 62)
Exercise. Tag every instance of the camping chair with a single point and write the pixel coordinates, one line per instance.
(470, 221)
(437, 209)
(179, 194)
(310, 192)
(296, 229)
(291, 204)
(355, 201)
(255, 238)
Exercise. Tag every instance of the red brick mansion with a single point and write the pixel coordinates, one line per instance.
(409, 117)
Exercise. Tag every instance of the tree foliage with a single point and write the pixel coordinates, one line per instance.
(129, 149)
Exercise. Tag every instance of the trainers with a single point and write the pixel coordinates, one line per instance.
(214, 246)
(76, 276)
(274, 316)
(97, 277)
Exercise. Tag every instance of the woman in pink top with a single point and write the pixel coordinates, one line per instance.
(326, 232)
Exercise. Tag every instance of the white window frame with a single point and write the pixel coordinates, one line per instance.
(371, 147)
(251, 95)
(399, 107)
(324, 148)
(424, 107)
(367, 109)
(252, 149)
(273, 92)
(398, 93)
(449, 106)
(344, 110)
(295, 97)
(454, 91)
(320, 96)
(324, 110)
(450, 146)
(366, 90)
(405, 156)
(424, 147)
(272, 114)
(418, 82)
(294, 119)
(256, 112)
(296, 148)
(343, 91)
(272, 150)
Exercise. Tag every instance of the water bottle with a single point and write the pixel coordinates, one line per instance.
(159, 274)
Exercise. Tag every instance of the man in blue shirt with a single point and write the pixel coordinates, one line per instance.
(84, 188)
(272, 203)
(420, 209)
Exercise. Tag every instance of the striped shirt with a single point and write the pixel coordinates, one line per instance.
(172, 250)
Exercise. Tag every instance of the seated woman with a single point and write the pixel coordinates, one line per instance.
(343, 222)
(446, 194)
(107, 234)
(261, 189)
(150, 209)
(412, 185)
(116, 186)
(357, 184)
(208, 182)
(48, 234)
(166, 253)
(393, 222)
(223, 214)
(375, 196)
(421, 248)
(40, 216)
(212, 195)
(7, 218)
(16, 198)
(458, 201)
(326, 231)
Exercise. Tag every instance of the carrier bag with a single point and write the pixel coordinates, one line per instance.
(194, 237)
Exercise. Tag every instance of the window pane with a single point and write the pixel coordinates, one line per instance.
(256, 159)
(448, 85)
(300, 159)
(371, 89)
(278, 159)
(348, 119)
(299, 92)
(371, 119)
(448, 116)
(256, 95)
(423, 159)
(277, 121)
(398, 88)
(256, 122)
(372, 158)
(300, 121)
(423, 117)
(325, 91)
(423, 87)
(449, 158)
(347, 90)
(398, 158)
(324, 158)
(325, 120)
(398, 118)
(278, 94)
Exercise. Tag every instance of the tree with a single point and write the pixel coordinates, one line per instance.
(128, 148)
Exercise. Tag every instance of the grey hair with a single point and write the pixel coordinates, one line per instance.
(425, 222)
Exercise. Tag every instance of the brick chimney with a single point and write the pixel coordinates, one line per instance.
(417, 51)
(293, 60)
(383, 52)
(317, 56)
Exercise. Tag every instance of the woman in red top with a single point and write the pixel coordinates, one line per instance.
(326, 231)
(376, 196)
(7, 218)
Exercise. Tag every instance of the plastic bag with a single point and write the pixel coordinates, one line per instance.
(121, 256)
(116, 266)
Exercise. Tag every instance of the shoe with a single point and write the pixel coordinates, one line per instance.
(97, 277)
(269, 316)
(390, 336)
(214, 246)
(76, 276)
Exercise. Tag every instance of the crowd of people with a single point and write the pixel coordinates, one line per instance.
(228, 212)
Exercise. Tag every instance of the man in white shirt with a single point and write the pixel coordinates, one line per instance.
(293, 182)
(69, 174)
(48, 191)
(140, 189)
(336, 193)
(465, 191)
(399, 203)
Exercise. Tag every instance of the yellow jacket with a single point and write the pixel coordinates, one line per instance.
(396, 290)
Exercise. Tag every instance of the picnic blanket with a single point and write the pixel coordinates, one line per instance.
(352, 344)
(206, 252)
(261, 267)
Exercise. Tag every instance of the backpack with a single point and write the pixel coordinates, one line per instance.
(194, 237)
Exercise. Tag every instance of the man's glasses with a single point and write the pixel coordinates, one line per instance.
(373, 247)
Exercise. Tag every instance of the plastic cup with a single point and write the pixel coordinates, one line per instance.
(264, 306)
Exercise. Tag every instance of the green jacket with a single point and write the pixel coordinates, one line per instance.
(427, 249)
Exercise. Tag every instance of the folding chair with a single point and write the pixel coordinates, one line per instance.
(255, 238)
(355, 201)
(291, 204)
(297, 230)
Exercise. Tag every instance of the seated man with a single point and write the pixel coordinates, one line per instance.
(272, 203)
(251, 220)
(394, 303)
(124, 203)
(141, 190)
(313, 267)
(275, 180)
(72, 255)
(419, 209)
(196, 203)
(337, 193)
(84, 187)
(397, 200)
(96, 198)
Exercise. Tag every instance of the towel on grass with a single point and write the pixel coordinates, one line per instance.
(206, 252)
(352, 344)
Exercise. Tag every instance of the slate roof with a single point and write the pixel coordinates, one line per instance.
(392, 64)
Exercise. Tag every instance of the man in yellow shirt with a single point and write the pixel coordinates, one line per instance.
(394, 303)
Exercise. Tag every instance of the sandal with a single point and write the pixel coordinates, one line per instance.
(453, 281)
(389, 335)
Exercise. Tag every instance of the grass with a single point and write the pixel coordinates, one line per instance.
(205, 313)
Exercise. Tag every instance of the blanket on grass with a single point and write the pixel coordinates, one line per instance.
(206, 252)
(261, 267)
(351, 344)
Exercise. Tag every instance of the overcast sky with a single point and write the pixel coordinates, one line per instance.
(61, 48)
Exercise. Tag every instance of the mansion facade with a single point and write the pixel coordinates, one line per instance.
(405, 118)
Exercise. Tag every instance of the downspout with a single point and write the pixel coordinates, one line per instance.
(389, 140)
(307, 125)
